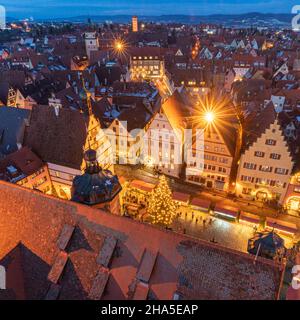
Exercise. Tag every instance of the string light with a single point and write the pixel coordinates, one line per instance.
(162, 208)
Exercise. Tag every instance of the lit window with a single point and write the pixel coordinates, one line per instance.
(271, 142)
(259, 154)
(281, 171)
(275, 156)
(250, 166)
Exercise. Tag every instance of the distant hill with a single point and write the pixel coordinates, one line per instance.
(10, 19)
(284, 18)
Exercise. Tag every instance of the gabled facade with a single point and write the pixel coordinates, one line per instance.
(60, 137)
(218, 162)
(266, 163)
(163, 146)
(207, 159)
(147, 63)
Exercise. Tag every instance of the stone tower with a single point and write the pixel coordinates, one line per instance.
(91, 42)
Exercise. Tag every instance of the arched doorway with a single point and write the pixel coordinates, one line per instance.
(261, 195)
(293, 203)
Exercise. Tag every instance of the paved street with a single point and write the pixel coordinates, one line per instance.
(134, 173)
(229, 234)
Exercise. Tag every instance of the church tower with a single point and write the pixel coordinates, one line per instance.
(97, 187)
(91, 42)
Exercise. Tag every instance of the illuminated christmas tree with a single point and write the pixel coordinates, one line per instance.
(161, 208)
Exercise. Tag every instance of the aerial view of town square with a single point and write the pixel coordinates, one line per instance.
(149, 151)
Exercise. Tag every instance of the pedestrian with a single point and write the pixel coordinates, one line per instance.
(196, 220)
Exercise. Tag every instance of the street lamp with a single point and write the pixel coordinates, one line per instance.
(209, 116)
(119, 46)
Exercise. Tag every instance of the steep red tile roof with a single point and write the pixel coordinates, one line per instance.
(32, 223)
(24, 160)
(57, 138)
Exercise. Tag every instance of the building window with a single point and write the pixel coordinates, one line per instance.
(281, 171)
(271, 142)
(275, 156)
(259, 154)
(223, 160)
(265, 168)
(251, 166)
(246, 178)
(280, 184)
(246, 191)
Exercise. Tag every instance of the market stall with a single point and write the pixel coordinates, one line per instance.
(200, 204)
(226, 211)
(280, 226)
(249, 218)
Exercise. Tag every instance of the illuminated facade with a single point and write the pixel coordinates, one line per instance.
(69, 133)
(209, 160)
(292, 198)
(147, 64)
(164, 146)
(266, 164)
(218, 159)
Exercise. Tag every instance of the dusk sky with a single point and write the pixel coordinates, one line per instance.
(69, 8)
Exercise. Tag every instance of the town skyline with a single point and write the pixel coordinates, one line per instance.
(149, 157)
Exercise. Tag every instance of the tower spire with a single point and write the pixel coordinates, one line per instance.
(88, 97)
